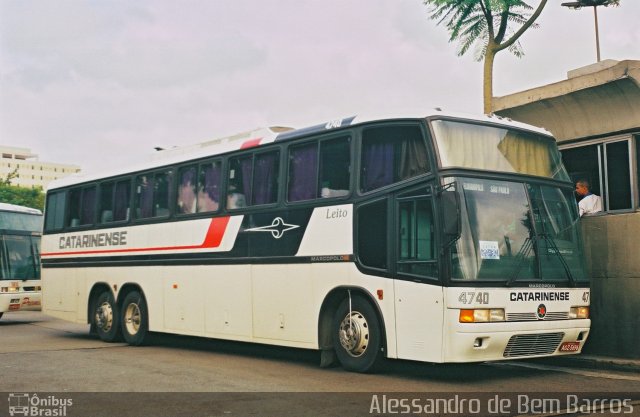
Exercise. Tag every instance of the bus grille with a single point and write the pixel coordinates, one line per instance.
(561, 315)
(532, 344)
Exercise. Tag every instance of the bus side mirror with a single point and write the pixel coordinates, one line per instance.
(451, 216)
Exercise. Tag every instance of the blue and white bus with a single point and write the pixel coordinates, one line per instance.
(432, 237)
(20, 234)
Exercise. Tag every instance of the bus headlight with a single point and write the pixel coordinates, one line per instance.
(579, 313)
(482, 315)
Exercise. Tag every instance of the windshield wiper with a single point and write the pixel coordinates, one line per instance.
(524, 251)
(521, 257)
(549, 240)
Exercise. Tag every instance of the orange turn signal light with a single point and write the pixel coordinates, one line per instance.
(466, 316)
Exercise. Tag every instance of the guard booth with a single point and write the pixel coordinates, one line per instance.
(595, 116)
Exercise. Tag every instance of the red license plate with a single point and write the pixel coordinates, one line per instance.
(570, 347)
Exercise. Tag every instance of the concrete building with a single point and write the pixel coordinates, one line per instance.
(595, 116)
(31, 172)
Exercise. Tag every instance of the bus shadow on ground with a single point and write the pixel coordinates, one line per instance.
(468, 373)
(453, 372)
(245, 349)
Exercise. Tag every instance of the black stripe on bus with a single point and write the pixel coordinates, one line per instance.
(187, 259)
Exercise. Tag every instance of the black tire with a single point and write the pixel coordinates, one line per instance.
(105, 318)
(357, 337)
(134, 318)
(1, 315)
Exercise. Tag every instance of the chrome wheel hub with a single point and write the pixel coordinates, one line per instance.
(354, 334)
(104, 317)
(132, 318)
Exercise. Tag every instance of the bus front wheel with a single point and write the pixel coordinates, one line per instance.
(135, 318)
(105, 317)
(357, 335)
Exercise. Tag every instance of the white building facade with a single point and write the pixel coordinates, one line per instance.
(29, 171)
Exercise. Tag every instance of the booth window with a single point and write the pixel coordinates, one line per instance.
(607, 167)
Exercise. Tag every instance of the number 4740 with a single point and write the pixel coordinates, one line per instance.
(471, 297)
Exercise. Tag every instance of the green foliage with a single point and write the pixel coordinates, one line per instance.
(28, 197)
(486, 24)
(479, 22)
(10, 177)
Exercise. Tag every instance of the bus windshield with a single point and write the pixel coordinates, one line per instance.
(502, 149)
(19, 243)
(517, 232)
(19, 257)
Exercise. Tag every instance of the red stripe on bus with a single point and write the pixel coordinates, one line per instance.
(251, 143)
(214, 236)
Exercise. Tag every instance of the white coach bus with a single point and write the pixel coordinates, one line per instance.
(439, 238)
(20, 233)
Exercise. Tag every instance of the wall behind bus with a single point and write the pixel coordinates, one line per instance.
(611, 250)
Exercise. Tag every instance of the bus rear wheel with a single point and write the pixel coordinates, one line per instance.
(105, 318)
(357, 335)
(135, 318)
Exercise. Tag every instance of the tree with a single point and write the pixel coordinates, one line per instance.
(485, 23)
(22, 196)
(10, 176)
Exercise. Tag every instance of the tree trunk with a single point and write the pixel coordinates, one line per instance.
(488, 77)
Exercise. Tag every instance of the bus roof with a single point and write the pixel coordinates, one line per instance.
(268, 135)
(18, 209)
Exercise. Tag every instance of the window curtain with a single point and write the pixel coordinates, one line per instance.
(187, 191)
(88, 206)
(121, 204)
(161, 195)
(474, 146)
(526, 154)
(246, 167)
(265, 185)
(145, 197)
(303, 173)
(413, 157)
(209, 191)
(377, 164)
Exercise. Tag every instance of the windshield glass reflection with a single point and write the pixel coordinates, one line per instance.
(516, 232)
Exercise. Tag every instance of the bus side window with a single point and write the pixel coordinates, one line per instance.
(161, 195)
(391, 154)
(187, 201)
(144, 196)
(303, 172)
(122, 201)
(239, 182)
(209, 187)
(265, 178)
(55, 211)
(416, 238)
(372, 234)
(335, 167)
(82, 206)
(106, 202)
(152, 195)
(87, 216)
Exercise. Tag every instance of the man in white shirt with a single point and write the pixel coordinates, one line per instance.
(590, 203)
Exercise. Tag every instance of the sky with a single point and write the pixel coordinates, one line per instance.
(100, 83)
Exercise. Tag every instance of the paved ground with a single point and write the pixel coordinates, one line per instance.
(44, 355)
